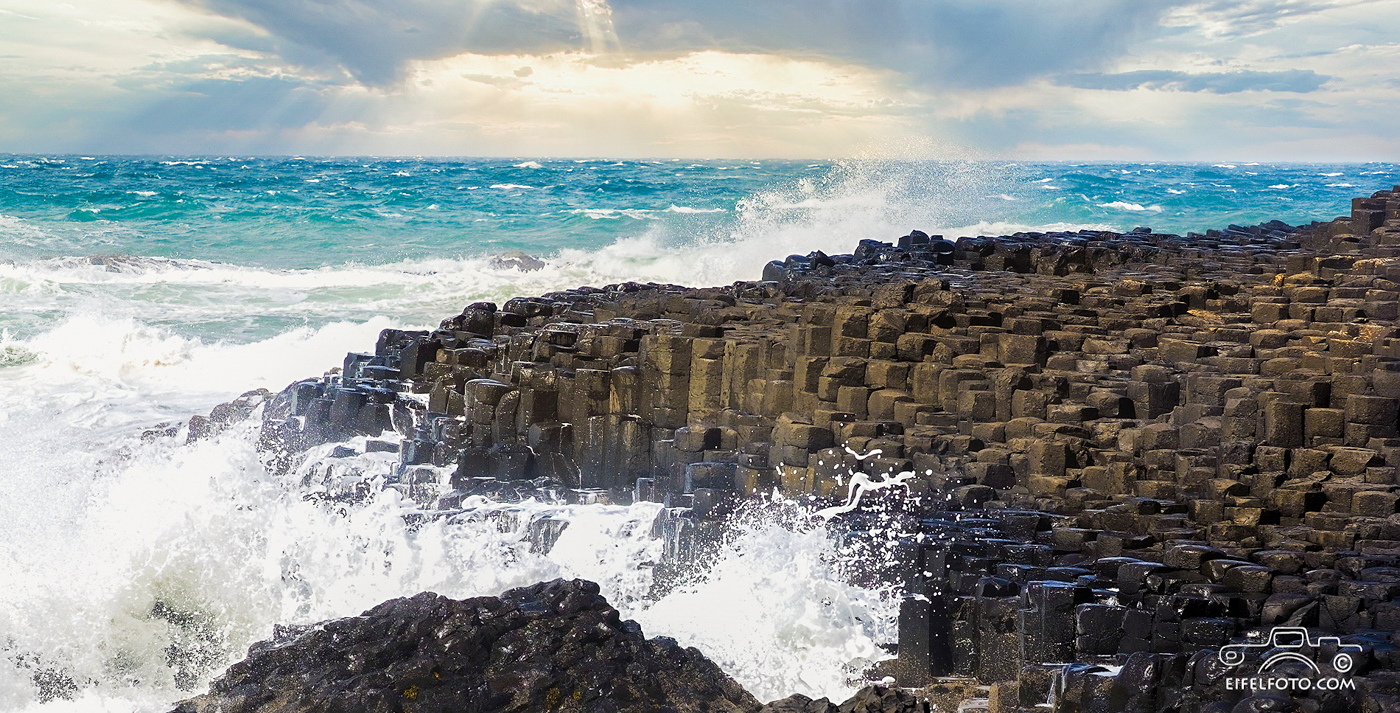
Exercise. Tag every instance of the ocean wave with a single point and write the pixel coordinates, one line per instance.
(527, 164)
(615, 213)
(640, 213)
(1133, 207)
(114, 359)
(831, 213)
(687, 210)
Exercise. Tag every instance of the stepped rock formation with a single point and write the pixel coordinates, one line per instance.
(1131, 449)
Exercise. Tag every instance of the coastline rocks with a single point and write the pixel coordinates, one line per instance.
(553, 646)
(871, 699)
(521, 261)
(1128, 450)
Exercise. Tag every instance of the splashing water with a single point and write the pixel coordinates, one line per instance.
(176, 557)
(777, 610)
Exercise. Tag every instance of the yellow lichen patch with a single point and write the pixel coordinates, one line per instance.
(411, 693)
(1373, 332)
(1200, 318)
(553, 696)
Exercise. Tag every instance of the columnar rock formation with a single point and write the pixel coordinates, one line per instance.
(1131, 448)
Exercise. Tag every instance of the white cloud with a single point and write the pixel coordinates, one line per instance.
(725, 78)
(1237, 18)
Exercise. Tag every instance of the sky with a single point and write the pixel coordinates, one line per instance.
(1263, 80)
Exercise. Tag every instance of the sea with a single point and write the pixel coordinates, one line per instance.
(139, 291)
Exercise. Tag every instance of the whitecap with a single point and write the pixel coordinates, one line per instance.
(687, 209)
(527, 164)
(1134, 207)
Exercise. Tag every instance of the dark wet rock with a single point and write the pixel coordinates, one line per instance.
(1266, 703)
(798, 703)
(518, 260)
(871, 699)
(551, 646)
(226, 414)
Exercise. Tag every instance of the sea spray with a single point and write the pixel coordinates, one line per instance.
(776, 608)
(182, 554)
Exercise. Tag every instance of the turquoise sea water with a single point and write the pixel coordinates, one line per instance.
(140, 291)
(284, 242)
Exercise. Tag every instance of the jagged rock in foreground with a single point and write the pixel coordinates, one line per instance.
(553, 646)
(872, 699)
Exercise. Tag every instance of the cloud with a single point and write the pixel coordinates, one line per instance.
(945, 43)
(1292, 80)
(375, 39)
(1239, 18)
(957, 43)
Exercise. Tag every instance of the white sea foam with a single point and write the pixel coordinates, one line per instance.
(688, 210)
(527, 164)
(142, 580)
(1134, 207)
(775, 612)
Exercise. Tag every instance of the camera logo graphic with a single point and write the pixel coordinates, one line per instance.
(1289, 640)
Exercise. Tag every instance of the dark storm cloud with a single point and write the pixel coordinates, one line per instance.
(957, 43)
(1293, 80)
(373, 39)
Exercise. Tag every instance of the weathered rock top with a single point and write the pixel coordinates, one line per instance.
(553, 646)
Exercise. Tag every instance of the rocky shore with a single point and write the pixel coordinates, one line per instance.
(1130, 452)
